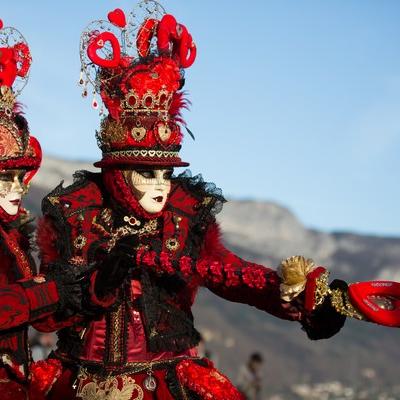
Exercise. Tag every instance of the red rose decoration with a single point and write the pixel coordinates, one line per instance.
(149, 258)
(202, 268)
(216, 272)
(232, 278)
(166, 264)
(185, 265)
(254, 277)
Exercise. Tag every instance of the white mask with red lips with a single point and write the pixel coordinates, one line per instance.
(151, 187)
(11, 190)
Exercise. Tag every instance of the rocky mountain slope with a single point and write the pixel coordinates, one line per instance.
(363, 354)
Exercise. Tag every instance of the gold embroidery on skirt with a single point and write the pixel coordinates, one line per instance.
(107, 389)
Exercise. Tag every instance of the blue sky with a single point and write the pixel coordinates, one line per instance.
(296, 102)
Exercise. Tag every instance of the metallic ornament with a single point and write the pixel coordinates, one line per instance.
(164, 132)
(138, 133)
(132, 221)
(150, 383)
(172, 244)
(384, 303)
(80, 242)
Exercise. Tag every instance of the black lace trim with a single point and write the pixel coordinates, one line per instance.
(210, 203)
(176, 389)
(69, 342)
(202, 189)
(168, 328)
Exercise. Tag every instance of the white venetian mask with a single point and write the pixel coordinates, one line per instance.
(11, 190)
(150, 186)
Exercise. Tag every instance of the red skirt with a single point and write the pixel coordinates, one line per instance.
(185, 380)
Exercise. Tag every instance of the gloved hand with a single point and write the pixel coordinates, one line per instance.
(305, 287)
(70, 281)
(114, 267)
(325, 321)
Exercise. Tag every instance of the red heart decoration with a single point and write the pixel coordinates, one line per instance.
(8, 66)
(362, 296)
(98, 42)
(117, 18)
(1, 24)
(187, 49)
(144, 36)
(23, 58)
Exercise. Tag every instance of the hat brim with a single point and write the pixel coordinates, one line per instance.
(27, 163)
(111, 163)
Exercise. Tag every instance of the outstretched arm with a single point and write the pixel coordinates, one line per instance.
(238, 280)
(235, 279)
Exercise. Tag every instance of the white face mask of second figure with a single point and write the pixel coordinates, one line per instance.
(11, 190)
(150, 187)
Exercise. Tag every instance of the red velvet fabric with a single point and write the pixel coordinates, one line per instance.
(10, 389)
(95, 336)
(204, 380)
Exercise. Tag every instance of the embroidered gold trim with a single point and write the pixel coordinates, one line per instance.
(111, 132)
(141, 153)
(7, 100)
(116, 335)
(114, 388)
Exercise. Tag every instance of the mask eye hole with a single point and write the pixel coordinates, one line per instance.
(6, 177)
(148, 174)
(168, 174)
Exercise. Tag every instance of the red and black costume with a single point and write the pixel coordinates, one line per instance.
(139, 341)
(135, 338)
(24, 296)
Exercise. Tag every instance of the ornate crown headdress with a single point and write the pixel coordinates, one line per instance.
(17, 148)
(136, 66)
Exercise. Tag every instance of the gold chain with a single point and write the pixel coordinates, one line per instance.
(128, 230)
(341, 302)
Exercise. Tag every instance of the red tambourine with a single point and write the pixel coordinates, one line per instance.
(379, 301)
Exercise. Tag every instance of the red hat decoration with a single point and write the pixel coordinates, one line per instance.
(17, 148)
(136, 66)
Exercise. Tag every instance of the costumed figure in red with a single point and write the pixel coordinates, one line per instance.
(24, 296)
(153, 237)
